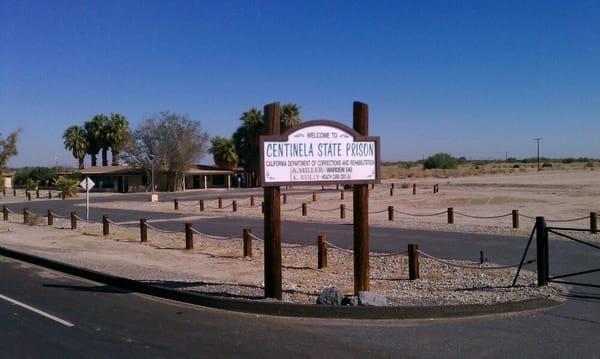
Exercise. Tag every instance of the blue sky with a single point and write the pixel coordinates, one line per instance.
(475, 79)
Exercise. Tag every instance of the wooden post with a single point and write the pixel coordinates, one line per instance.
(342, 195)
(314, 197)
(234, 205)
(272, 217)
(413, 261)
(176, 204)
(542, 250)
(189, 236)
(251, 201)
(105, 228)
(593, 222)
(342, 211)
(372, 186)
(284, 198)
(4, 191)
(73, 220)
(450, 215)
(321, 251)
(393, 185)
(515, 218)
(50, 216)
(4, 213)
(28, 196)
(220, 202)
(303, 209)
(262, 207)
(247, 242)
(201, 205)
(391, 191)
(49, 194)
(414, 188)
(14, 192)
(25, 216)
(143, 230)
(37, 193)
(390, 213)
(337, 186)
(361, 210)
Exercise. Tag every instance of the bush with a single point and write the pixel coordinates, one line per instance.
(547, 164)
(568, 160)
(67, 186)
(440, 160)
(31, 184)
(38, 174)
(516, 166)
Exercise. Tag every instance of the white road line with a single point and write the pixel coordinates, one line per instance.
(40, 312)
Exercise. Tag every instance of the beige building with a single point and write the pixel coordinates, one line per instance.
(8, 179)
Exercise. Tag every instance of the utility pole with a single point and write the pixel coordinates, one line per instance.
(538, 152)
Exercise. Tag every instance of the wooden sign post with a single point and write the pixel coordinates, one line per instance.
(317, 152)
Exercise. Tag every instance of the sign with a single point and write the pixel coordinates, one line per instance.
(319, 152)
(87, 184)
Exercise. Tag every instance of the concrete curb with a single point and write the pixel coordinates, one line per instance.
(285, 309)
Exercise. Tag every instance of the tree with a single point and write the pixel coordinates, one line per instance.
(440, 160)
(223, 152)
(8, 147)
(96, 135)
(174, 142)
(67, 186)
(76, 141)
(117, 132)
(290, 116)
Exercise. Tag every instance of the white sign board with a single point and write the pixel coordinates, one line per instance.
(87, 184)
(319, 152)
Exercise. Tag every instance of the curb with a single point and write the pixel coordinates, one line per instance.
(285, 309)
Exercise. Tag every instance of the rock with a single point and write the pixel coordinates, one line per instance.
(330, 296)
(372, 299)
(349, 300)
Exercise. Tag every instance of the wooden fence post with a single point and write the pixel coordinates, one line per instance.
(342, 195)
(37, 193)
(14, 192)
(220, 202)
(4, 213)
(28, 196)
(393, 185)
(73, 220)
(593, 222)
(542, 250)
(105, 228)
(3, 191)
(234, 205)
(321, 251)
(450, 215)
(176, 204)
(342, 211)
(391, 191)
(413, 261)
(303, 209)
(414, 188)
(515, 218)
(390, 213)
(251, 200)
(189, 236)
(314, 197)
(25, 216)
(247, 242)
(284, 198)
(50, 216)
(201, 205)
(49, 194)
(262, 207)
(143, 230)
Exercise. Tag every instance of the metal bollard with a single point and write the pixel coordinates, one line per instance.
(450, 215)
(189, 236)
(413, 261)
(390, 213)
(515, 218)
(321, 251)
(105, 230)
(304, 209)
(247, 242)
(143, 230)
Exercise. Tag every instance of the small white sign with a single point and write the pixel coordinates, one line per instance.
(87, 184)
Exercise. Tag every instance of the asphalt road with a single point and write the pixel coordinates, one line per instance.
(109, 322)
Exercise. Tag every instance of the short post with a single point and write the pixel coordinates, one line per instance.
(314, 197)
(73, 220)
(143, 230)
(49, 194)
(50, 216)
(189, 236)
(14, 192)
(322, 188)
(413, 261)
(391, 191)
(393, 185)
(414, 188)
(4, 213)
(176, 204)
(4, 191)
(262, 207)
(247, 242)
(342, 211)
(593, 222)
(337, 186)
(390, 213)
(25, 216)
(105, 230)
(342, 195)
(372, 185)
(542, 250)
(322, 251)
(515, 218)
(220, 202)
(284, 198)
(37, 193)
(201, 205)
(28, 196)
(450, 215)
(251, 200)
(303, 209)
(234, 205)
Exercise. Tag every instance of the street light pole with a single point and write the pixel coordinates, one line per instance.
(538, 152)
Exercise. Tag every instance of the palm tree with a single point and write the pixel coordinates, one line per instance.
(75, 140)
(96, 134)
(223, 152)
(246, 139)
(290, 116)
(117, 133)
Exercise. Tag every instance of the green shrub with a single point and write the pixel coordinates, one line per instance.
(31, 184)
(440, 160)
(38, 174)
(67, 186)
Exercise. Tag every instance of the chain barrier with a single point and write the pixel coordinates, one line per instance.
(557, 220)
(377, 212)
(323, 210)
(291, 210)
(210, 236)
(161, 230)
(255, 237)
(440, 260)
(117, 224)
(327, 243)
(483, 217)
(420, 215)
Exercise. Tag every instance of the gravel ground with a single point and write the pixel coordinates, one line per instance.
(216, 266)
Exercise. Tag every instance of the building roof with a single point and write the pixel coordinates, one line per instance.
(8, 173)
(125, 170)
